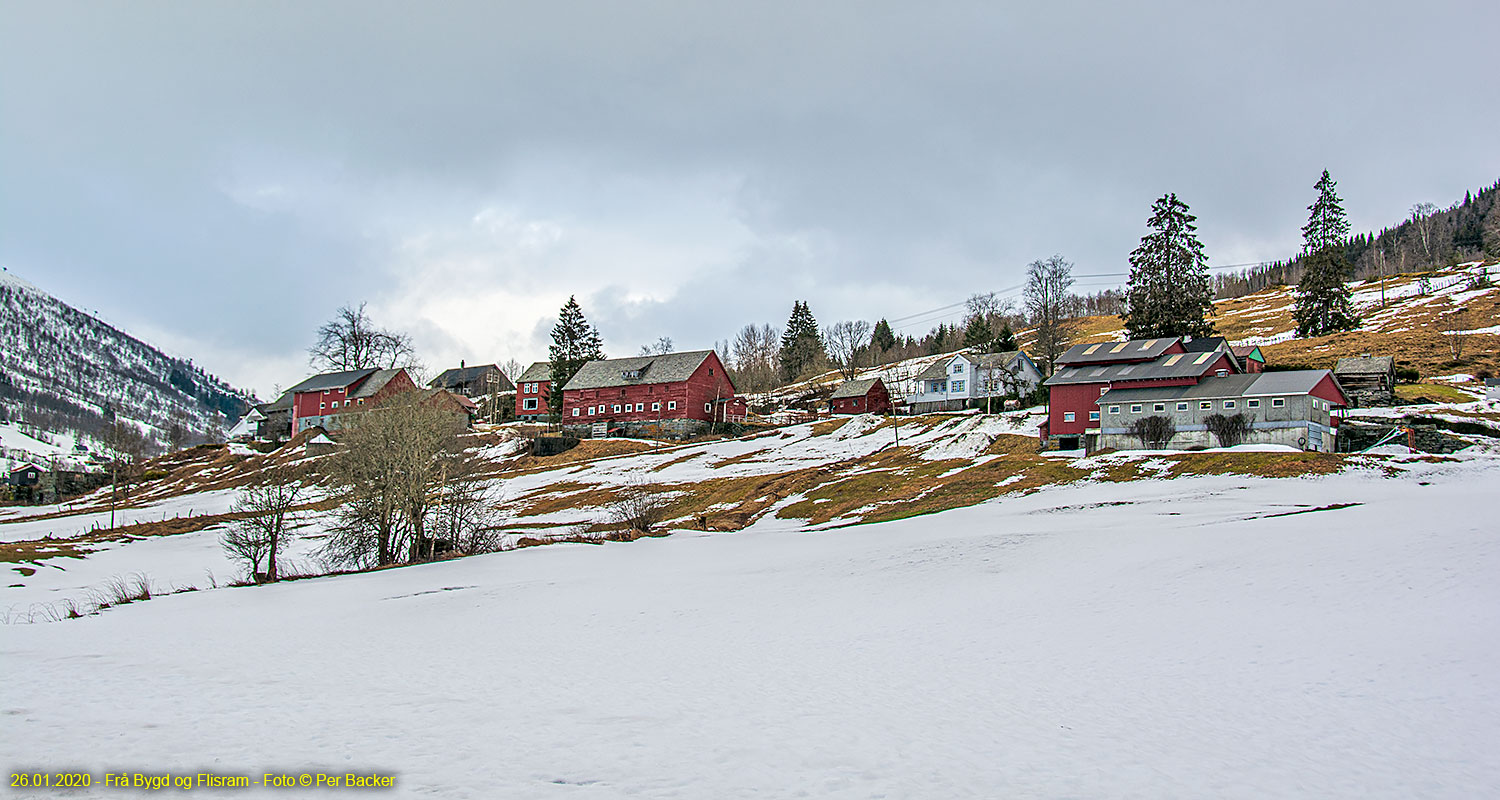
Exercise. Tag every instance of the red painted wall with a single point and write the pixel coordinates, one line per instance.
(876, 401)
(1080, 398)
(543, 390)
(708, 384)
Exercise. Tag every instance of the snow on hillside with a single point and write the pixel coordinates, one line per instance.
(1218, 636)
(60, 366)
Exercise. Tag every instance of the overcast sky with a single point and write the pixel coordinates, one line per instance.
(219, 177)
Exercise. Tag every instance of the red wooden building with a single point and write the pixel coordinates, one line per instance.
(532, 391)
(1086, 371)
(318, 401)
(867, 396)
(674, 386)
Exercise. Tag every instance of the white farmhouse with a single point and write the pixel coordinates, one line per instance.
(952, 382)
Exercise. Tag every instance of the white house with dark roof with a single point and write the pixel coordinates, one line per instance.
(950, 383)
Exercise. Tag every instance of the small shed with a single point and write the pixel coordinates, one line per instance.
(1367, 380)
(1492, 388)
(868, 396)
(25, 475)
(320, 445)
(1250, 358)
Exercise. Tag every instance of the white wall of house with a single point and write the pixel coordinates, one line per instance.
(964, 379)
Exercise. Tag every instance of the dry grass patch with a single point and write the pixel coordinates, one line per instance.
(1436, 392)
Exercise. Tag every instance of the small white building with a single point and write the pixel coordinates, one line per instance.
(953, 381)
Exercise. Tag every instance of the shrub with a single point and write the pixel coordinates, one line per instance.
(1231, 430)
(1407, 375)
(1153, 431)
(639, 508)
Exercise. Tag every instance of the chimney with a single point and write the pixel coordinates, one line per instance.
(460, 363)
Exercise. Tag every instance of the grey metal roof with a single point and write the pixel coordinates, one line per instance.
(937, 370)
(1205, 344)
(668, 368)
(282, 403)
(1260, 384)
(468, 375)
(996, 360)
(1105, 352)
(376, 382)
(858, 388)
(1492, 381)
(1172, 365)
(540, 371)
(1364, 365)
(332, 380)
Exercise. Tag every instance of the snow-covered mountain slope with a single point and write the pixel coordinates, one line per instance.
(59, 367)
(1212, 636)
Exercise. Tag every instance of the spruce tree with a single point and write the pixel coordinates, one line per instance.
(574, 343)
(883, 339)
(1322, 296)
(1006, 341)
(978, 333)
(801, 345)
(1169, 293)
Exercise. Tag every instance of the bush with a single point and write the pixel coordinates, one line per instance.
(639, 508)
(1407, 375)
(1154, 431)
(1230, 431)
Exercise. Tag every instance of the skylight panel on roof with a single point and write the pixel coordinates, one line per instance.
(1097, 371)
(1146, 345)
(1117, 348)
(1204, 357)
(1126, 371)
(1174, 359)
(1091, 349)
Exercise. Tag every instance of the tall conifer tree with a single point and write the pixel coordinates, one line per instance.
(801, 345)
(883, 339)
(1169, 293)
(1322, 296)
(574, 343)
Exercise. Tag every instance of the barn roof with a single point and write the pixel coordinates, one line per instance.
(667, 368)
(540, 371)
(282, 403)
(1104, 352)
(1364, 365)
(377, 381)
(995, 360)
(858, 388)
(458, 376)
(1259, 384)
(1175, 365)
(332, 380)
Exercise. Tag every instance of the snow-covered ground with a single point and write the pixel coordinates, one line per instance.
(1199, 637)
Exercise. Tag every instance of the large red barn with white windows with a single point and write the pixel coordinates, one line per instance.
(674, 386)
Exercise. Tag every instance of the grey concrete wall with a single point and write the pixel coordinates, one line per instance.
(1297, 420)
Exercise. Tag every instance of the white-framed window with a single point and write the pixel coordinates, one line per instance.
(1135, 408)
(1102, 390)
(671, 405)
(1159, 407)
(1228, 404)
(617, 408)
(1252, 404)
(529, 404)
(958, 386)
(322, 406)
(1278, 402)
(1067, 416)
(708, 407)
(361, 401)
(591, 411)
(656, 406)
(1182, 406)
(1114, 409)
(958, 368)
(575, 412)
(335, 404)
(1093, 416)
(640, 406)
(1205, 405)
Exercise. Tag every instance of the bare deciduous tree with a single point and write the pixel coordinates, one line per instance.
(660, 347)
(845, 342)
(352, 341)
(267, 528)
(1047, 307)
(1456, 330)
(754, 354)
(639, 507)
(1421, 220)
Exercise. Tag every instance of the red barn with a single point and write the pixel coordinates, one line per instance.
(318, 401)
(649, 389)
(867, 396)
(532, 391)
(1087, 371)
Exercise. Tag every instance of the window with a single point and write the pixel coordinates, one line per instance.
(1278, 402)
(529, 404)
(708, 407)
(1093, 416)
(671, 405)
(856, 402)
(640, 406)
(656, 406)
(958, 386)
(1228, 404)
(1205, 405)
(1159, 407)
(1102, 390)
(1135, 408)
(1114, 409)
(575, 412)
(617, 408)
(322, 406)
(1182, 406)
(361, 401)
(958, 368)
(1252, 404)
(335, 404)
(1067, 416)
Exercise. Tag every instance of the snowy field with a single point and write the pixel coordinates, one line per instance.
(1217, 637)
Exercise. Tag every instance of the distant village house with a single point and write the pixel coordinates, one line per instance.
(867, 396)
(955, 382)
